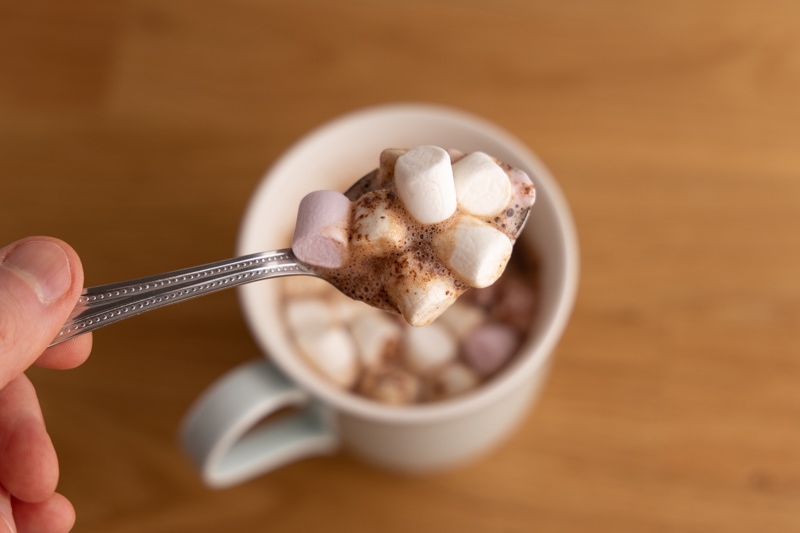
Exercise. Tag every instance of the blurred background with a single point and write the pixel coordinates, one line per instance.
(136, 130)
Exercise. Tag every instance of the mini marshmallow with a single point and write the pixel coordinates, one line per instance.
(462, 317)
(515, 303)
(489, 347)
(524, 190)
(426, 349)
(482, 186)
(478, 252)
(376, 337)
(422, 302)
(455, 378)
(393, 386)
(388, 160)
(308, 316)
(302, 286)
(424, 180)
(455, 155)
(333, 354)
(376, 225)
(345, 309)
(321, 232)
(486, 296)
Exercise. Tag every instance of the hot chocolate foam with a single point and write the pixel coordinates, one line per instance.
(412, 248)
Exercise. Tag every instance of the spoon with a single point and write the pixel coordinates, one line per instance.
(106, 304)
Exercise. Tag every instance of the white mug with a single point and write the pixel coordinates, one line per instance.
(224, 432)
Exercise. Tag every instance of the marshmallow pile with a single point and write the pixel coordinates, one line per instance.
(426, 226)
(380, 356)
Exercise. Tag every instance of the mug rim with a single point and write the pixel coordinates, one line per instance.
(500, 385)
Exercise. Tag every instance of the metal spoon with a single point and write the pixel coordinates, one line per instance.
(106, 304)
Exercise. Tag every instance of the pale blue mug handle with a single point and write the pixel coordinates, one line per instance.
(225, 433)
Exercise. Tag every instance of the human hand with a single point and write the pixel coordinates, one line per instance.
(40, 281)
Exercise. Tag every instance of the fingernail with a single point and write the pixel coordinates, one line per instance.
(44, 266)
(6, 518)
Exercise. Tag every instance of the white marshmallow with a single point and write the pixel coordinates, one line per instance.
(388, 158)
(333, 354)
(302, 286)
(376, 336)
(455, 378)
(322, 229)
(393, 386)
(422, 302)
(482, 186)
(424, 180)
(461, 318)
(308, 316)
(477, 252)
(429, 348)
(376, 225)
(345, 309)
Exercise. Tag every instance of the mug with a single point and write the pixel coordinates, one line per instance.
(228, 433)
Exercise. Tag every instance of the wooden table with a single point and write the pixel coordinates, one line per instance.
(137, 130)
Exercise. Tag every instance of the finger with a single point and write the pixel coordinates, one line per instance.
(40, 281)
(6, 513)
(54, 515)
(68, 354)
(29, 466)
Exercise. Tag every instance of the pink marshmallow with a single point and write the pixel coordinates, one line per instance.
(489, 346)
(455, 155)
(321, 232)
(524, 190)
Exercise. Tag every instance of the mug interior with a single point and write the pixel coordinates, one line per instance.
(333, 157)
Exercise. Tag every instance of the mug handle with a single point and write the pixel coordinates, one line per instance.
(227, 437)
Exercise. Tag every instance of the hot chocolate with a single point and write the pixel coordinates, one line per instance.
(429, 224)
(380, 356)
(411, 238)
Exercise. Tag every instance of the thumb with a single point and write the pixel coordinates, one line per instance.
(40, 280)
(6, 514)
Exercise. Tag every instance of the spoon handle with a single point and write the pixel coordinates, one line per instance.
(105, 304)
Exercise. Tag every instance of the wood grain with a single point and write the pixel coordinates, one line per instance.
(137, 130)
